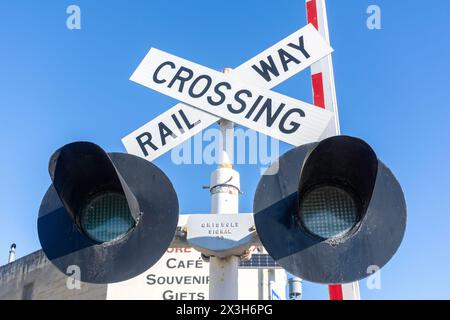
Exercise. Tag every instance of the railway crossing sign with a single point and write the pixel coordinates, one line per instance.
(242, 96)
(331, 210)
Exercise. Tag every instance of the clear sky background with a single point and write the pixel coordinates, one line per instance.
(59, 85)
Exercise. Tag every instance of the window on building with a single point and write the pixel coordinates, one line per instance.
(27, 293)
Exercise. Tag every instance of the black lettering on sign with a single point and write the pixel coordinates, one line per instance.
(196, 81)
(164, 132)
(255, 104)
(177, 123)
(267, 106)
(144, 143)
(300, 46)
(267, 69)
(286, 58)
(151, 279)
(186, 121)
(171, 295)
(169, 263)
(219, 93)
(173, 263)
(182, 78)
(237, 97)
(155, 75)
(168, 295)
(294, 125)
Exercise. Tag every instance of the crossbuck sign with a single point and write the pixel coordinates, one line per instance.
(243, 96)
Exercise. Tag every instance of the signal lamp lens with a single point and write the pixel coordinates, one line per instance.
(107, 217)
(328, 212)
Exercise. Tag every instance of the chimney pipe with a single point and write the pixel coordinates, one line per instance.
(12, 253)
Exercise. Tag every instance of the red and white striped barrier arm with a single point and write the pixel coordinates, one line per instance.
(324, 93)
(347, 291)
(322, 76)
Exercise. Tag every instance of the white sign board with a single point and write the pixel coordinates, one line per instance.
(182, 275)
(268, 112)
(271, 67)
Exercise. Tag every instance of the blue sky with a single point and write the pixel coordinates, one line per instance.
(59, 85)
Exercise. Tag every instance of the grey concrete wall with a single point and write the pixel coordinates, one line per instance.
(47, 282)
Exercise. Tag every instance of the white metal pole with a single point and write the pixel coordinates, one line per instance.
(271, 280)
(324, 93)
(224, 188)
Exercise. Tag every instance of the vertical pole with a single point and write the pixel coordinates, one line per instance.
(260, 284)
(324, 93)
(271, 280)
(224, 188)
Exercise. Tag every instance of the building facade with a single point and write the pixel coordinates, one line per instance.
(34, 277)
(181, 274)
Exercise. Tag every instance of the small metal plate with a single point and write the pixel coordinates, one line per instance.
(221, 234)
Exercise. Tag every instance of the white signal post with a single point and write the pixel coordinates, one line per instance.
(224, 188)
(324, 93)
(307, 47)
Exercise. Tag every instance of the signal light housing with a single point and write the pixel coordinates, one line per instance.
(111, 214)
(331, 211)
